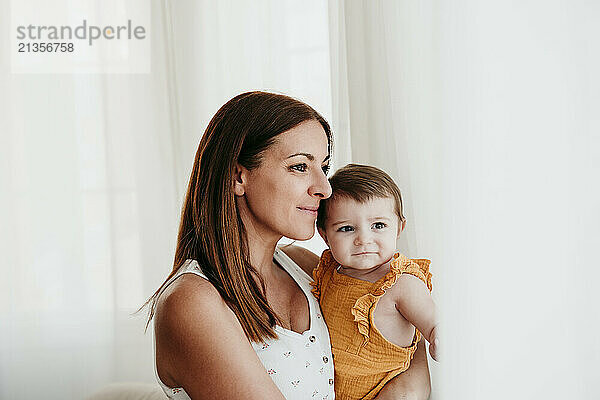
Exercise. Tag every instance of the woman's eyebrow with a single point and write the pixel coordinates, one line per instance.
(307, 155)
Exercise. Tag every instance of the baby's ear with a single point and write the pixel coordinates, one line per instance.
(401, 228)
(323, 235)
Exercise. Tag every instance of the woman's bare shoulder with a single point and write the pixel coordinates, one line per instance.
(197, 335)
(189, 303)
(188, 291)
(306, 259)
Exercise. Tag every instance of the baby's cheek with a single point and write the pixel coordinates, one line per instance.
(337, 251)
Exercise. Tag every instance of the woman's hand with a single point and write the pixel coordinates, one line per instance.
(414, 383)
(434, 345)
(398, 396)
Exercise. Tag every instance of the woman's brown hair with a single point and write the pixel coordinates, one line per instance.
(211, 230)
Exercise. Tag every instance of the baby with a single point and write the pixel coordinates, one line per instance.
(371, 296)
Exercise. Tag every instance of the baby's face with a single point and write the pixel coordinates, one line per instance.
(361, 235)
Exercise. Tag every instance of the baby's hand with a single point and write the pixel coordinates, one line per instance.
(434, 345)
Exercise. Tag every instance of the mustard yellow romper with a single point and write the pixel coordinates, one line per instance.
(364, 360)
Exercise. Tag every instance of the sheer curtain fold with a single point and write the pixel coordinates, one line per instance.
(384, 102)
(89, 219)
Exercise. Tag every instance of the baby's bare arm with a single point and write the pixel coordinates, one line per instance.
(414, 302)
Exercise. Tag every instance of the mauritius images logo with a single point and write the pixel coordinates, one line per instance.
(88, 32)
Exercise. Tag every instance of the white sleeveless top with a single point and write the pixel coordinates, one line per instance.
(301, 365)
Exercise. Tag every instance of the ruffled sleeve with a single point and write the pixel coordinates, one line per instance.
(319, 272)
(398, 266)
(419, 268)
(361, 310)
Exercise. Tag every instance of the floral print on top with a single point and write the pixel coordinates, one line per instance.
(300, 364)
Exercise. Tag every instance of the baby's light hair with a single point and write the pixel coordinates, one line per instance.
(360, 183)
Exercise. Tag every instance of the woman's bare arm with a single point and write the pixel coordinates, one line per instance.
(201, 346)
(306, 259)
(412, 384)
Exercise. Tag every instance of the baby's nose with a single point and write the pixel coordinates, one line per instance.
(362, 238)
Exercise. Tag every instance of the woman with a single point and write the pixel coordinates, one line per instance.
(235, 318)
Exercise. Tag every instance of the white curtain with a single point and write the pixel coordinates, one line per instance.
(384, 107)
(520, 122)
(486, 114)
(88, 212)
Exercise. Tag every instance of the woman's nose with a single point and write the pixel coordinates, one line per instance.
(320, 187)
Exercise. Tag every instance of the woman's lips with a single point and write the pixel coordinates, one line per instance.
(309, 210)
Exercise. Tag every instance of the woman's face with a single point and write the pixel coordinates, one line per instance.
(281, 196)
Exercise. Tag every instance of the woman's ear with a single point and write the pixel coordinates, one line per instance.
(239, 180)
(323, 235)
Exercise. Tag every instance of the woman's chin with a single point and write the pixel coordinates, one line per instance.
(297, 235)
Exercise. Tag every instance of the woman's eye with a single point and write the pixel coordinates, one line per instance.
(299, 167)
(379, 225)
(325, 169)
(346, 228)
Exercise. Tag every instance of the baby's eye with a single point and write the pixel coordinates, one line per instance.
(299, 167)
(379, 225)
(345, 228)
(325, 169)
